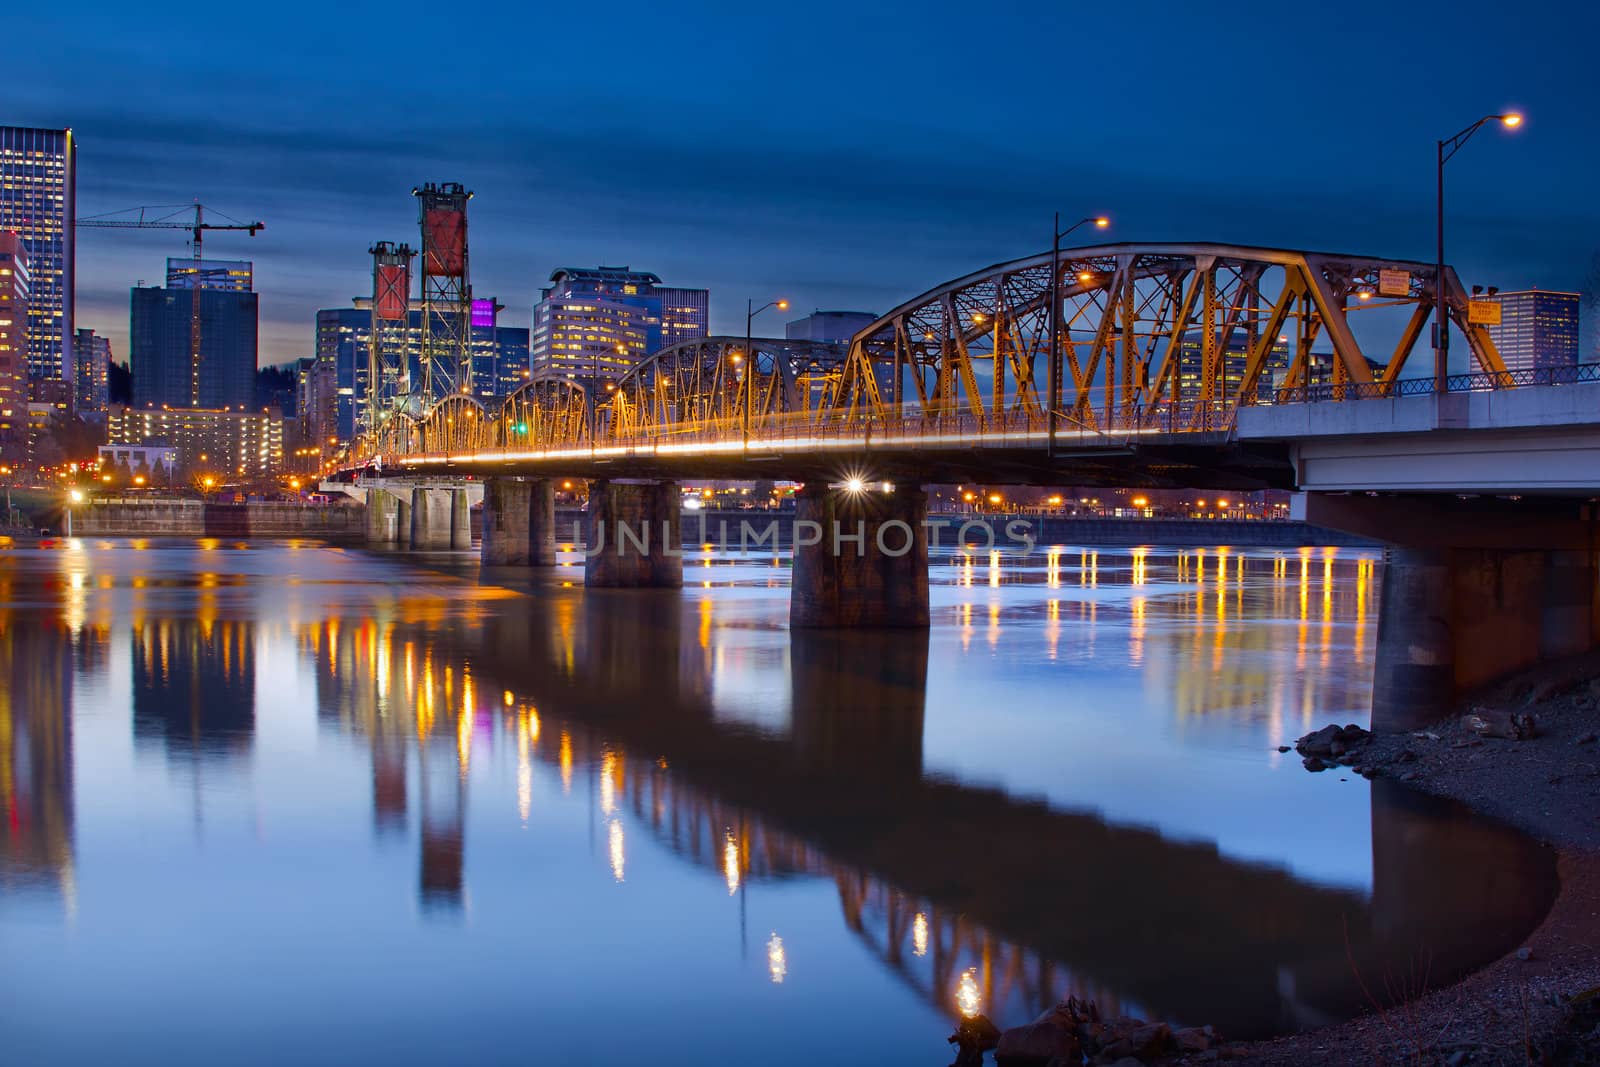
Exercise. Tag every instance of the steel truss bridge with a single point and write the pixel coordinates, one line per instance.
(1149, 345)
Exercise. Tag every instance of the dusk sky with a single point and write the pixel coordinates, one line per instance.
(843, 155)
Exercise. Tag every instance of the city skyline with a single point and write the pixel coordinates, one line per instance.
(857, 189)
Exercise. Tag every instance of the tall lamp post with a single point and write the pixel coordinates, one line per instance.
(750, 313)
(74, 496)
(1441, 340)
(1053, 372)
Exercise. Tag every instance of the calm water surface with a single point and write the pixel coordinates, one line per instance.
(292, 804)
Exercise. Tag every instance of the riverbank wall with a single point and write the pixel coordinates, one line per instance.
(157, 517)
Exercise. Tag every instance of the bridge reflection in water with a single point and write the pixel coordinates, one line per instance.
(935, 877)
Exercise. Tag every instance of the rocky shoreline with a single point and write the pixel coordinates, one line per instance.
(1526, 753)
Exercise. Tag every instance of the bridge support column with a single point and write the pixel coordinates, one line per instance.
(1456, 619)
(430, 519)
(381, 515)
(1413, 683)
(504, 540)
(860, 559)
(460, 519)
(519, 523)
(1473, 591)
(542, 523)
(634, 536)
(402, 522)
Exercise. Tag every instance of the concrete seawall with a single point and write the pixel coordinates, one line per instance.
(195, 518)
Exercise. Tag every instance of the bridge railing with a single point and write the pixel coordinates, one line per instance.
(1476, 382)
(910, 425)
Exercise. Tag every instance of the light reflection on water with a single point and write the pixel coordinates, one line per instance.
(284, 777)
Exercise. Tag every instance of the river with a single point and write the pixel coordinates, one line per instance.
(284, 803)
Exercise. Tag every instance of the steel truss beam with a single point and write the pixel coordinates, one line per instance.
(1174, 337)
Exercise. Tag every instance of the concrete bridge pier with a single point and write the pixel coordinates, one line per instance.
(1473, 591)
(430, 519)
(634, 537)
(860, 559)
(519, 523)
(460, 519)
(402, 522)
(382, 515)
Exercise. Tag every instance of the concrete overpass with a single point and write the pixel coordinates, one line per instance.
(1487, 499)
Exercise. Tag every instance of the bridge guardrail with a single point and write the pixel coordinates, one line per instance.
(1475, 382)
(908, 425)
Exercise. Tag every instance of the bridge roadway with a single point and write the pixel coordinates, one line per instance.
(1083, 899)
(928, 450)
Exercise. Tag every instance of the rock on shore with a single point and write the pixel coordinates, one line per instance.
(1527, 755)
(1073, 1033)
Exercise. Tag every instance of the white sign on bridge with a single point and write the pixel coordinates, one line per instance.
(1394, 282)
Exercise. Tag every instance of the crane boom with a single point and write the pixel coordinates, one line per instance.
(147, 219)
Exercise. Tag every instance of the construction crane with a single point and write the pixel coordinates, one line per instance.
(173, 217)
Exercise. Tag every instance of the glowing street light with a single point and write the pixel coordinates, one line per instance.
(1053, 357)
(750, 313)
(74, 496)
(1447, 149)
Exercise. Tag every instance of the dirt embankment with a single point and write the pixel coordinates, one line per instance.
(1537, 1004)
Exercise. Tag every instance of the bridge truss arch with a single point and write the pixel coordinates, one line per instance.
(1181, 332)
(1096, 342)
(454, 424)
(713, 381)
(547, 412)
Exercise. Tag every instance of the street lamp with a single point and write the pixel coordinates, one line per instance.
(1053, 361)
(750, 313)
(74, 496)
(1441, 340)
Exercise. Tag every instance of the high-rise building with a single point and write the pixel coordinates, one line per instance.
(511, 365)
(13, 351)
(93, 356)
(685, 315)
(1232, 363)
(234, 275)
(38, 201)
(228, 444)
(1538, 329)
(830, 326)
(600, 321)
(339, 381)
(159, 339)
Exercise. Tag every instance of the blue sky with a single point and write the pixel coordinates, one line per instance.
(844, 155)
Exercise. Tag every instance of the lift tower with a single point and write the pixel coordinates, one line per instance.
(388, 359)
(446, 292)
(165, 217)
